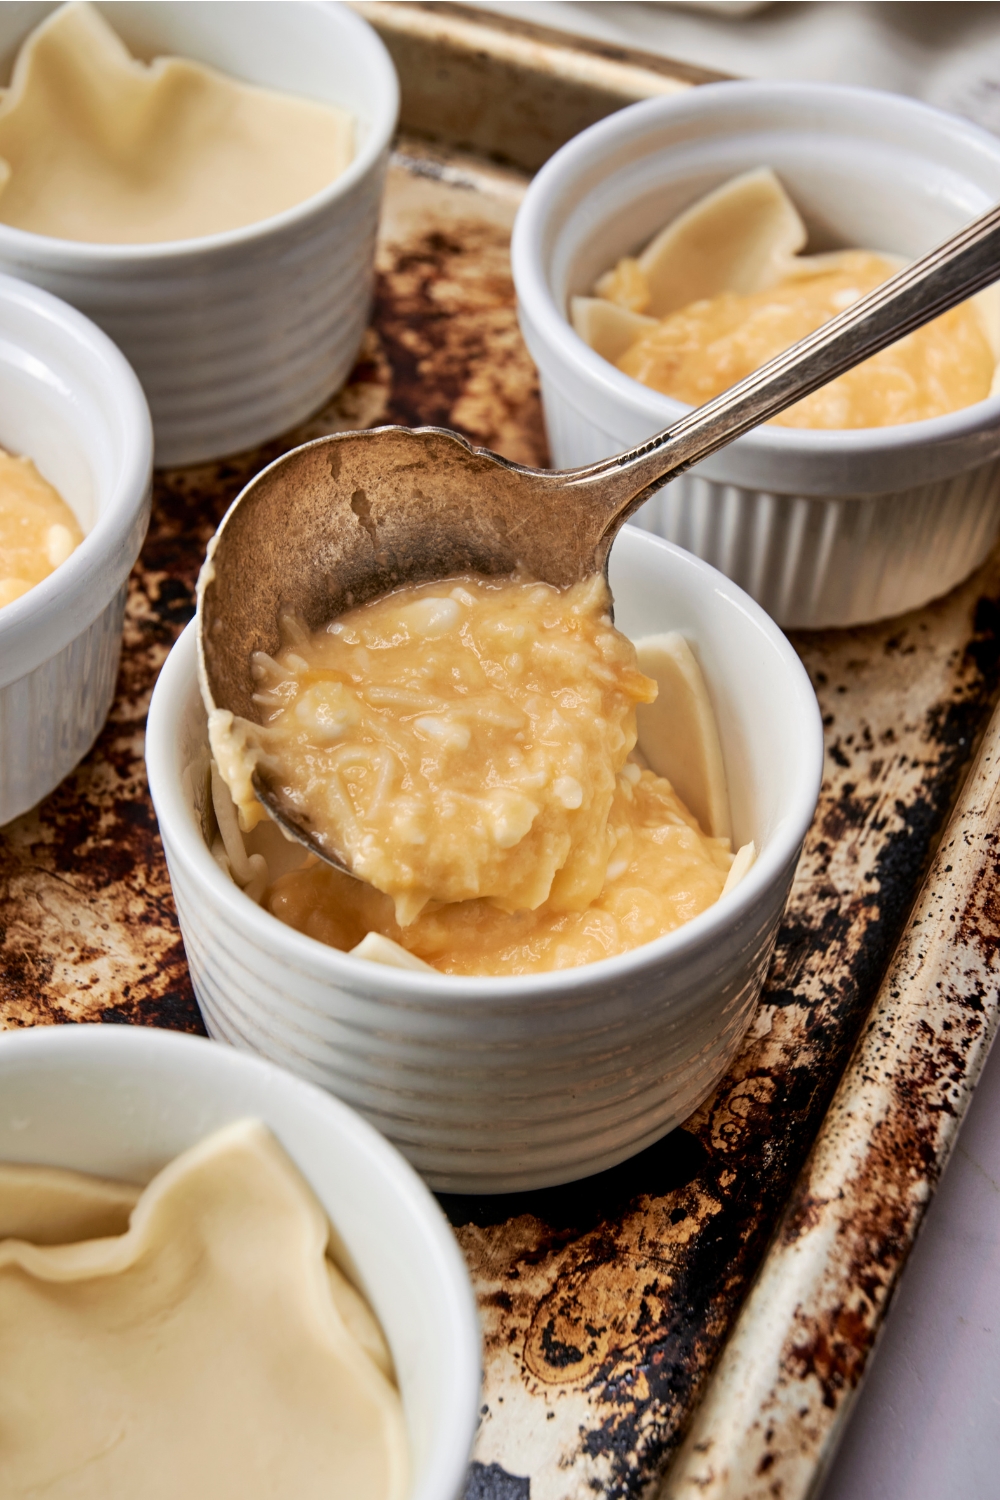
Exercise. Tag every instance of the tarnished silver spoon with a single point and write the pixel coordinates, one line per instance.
(346, 518)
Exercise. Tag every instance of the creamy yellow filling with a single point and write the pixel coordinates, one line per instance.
(452, 741)
(38, 531)
(206, 1347)
(662, 871)
(98, 146)
(708, 346)
(465, 747)
(724, 287)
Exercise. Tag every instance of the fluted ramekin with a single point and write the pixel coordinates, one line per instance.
(496, 1084)
(821, 528)
(70, 402)
(238, 336)
(122, 1101)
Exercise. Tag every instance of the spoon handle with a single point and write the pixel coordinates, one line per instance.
(956, 269)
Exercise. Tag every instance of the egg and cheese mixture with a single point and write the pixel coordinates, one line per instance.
(724, 287)
(706, 347)
(38, 531)
(464, 747)
(661, 871)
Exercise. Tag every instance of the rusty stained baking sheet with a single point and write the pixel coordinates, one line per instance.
(605, 1304)
(785, 1383)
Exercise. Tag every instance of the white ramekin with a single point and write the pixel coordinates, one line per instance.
(821, 528)
(491, 1084)
(237, 336)
(122, 1101)
(72, 404)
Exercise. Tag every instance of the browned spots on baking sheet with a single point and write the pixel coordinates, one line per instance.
(447, 325)
(855, 1209)
(905, 1149)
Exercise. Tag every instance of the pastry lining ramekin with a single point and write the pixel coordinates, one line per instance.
(122, 1101)
(821, 528)
(491, 1084)
(236, 337)
(69, 401)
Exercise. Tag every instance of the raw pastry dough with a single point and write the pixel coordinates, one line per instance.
(607, 327)
(51, 1207)
(98, 146)
(740, 238)
(743, 237)
(210, 1351)
(745, 857)
(679, 737)
(382, 950)
(678, 731)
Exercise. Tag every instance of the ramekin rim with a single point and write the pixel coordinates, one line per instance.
(538, 305)
(183, 834)
(50, 252)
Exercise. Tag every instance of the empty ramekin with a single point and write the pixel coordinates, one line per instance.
(821, 528)
(237, 336)
(121, 1102)
(496, 1084)
(70, 402)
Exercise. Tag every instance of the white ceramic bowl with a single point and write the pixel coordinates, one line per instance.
(495, 1084)
(821, 528)
(123, 1101)
(72, 404)
(237, 336)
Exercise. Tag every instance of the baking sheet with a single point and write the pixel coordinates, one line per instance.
(607, 1304)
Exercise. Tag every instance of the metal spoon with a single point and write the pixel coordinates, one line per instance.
(345, 518)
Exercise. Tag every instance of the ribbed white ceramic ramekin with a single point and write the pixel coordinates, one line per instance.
(237, 336)
(821, 528)
(491, 1084)
(122, 1101)
(71, 403)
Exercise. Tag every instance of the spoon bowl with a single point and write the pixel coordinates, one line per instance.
(347, 518)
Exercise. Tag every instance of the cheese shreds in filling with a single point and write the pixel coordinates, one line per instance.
(661, 871)
(455, 741)
(209, 1348)
(98, 146)
(38, 531)
(702, 350)
(466, 748)
(724, 287)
